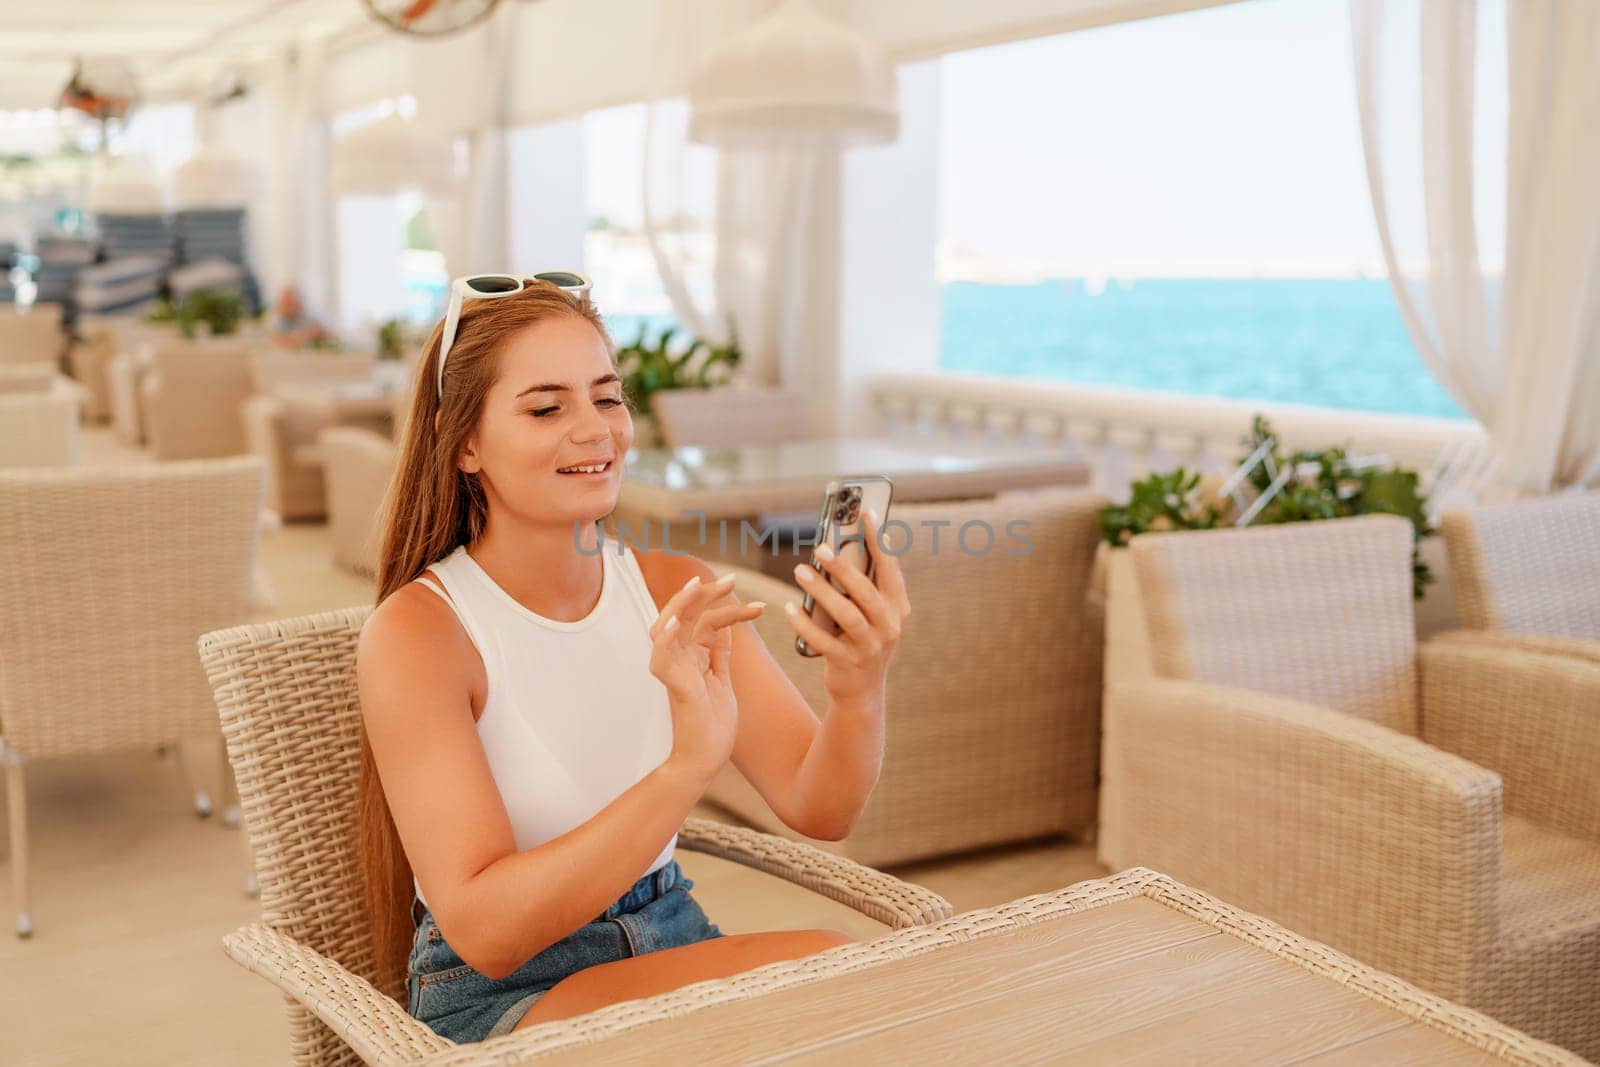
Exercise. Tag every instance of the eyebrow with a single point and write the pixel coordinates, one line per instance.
(557, 387)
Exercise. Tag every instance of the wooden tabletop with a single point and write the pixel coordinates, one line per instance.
(1135, 968)
(662, 485)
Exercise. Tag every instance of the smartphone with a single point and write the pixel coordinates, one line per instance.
(840, 526)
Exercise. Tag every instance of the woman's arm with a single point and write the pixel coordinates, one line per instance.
(421, 681)
(816, 775)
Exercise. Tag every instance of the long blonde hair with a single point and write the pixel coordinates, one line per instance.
(432, 507)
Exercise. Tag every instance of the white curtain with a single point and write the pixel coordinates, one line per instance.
(1518, 350)
(460, 84)
(299, 209)
(775, 229)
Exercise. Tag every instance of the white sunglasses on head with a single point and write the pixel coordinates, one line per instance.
(491, 286)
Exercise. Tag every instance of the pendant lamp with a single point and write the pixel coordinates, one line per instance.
(795, 72)
(387, 156)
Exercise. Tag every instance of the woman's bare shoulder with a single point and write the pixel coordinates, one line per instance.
(665, 574)
(414, 634)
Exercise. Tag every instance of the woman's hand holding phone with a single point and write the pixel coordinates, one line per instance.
(871, 613)
(691, 644)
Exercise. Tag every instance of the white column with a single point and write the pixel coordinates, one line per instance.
(889, 304)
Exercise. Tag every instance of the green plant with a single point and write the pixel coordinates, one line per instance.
(1325, 485)
(218, 309)
(161, 311)
(391, 339)
(649, 367)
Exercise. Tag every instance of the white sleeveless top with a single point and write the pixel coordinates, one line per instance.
(573, 717)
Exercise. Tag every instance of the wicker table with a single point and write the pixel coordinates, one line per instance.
(1135, 967)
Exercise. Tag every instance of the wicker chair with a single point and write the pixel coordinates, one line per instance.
(358, 465)
(1273, 736)
(40, 429)
(287, 696)
(994, 693)
(1527, 574)
(89, 361)
(285, 439)
(32, 336)
(730, 416)
(27, 377)
(111, 576)
(192, 399)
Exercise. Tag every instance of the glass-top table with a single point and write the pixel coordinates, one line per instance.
(663, 484)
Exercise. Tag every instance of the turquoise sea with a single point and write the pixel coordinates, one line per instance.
(1334, 343)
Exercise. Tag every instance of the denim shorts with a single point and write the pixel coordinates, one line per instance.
(459, 1003)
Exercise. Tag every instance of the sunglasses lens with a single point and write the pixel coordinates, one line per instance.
(565, 279)
(493, 283)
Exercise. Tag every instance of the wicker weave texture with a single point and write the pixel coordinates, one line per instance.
(1235, 607)
(587, 1033)
(39, 429)
(113, 575)
(1529, 567)
(992, 729)
(286, 692)
(1393, 848)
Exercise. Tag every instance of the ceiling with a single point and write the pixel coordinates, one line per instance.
(174, 45)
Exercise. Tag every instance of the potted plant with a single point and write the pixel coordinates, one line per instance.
(1324, 484)
(219, 310)
(648, 367)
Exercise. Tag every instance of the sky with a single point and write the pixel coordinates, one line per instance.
(1227, 136)
(1221, 141)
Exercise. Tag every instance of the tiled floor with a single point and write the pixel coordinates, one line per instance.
(132, 893)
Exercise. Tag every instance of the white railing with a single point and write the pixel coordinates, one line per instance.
(1126, 433)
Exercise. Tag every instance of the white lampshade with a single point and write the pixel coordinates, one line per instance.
(213, 178)
(386, 156)
(795, 71)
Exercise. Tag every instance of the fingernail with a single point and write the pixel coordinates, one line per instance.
(671, 624)
(872, 513)
(802, 572)
(759, 604)
(692, 582)
(789, 606)
(725, 579)
(824, 553)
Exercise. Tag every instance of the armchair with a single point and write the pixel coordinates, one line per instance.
(287, 696)
(1282, 743)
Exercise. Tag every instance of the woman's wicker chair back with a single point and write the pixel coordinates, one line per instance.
(286, 692)
(1317, 611)
(112, 576)
(1531, 567)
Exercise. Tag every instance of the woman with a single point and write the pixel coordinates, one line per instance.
(541, 709)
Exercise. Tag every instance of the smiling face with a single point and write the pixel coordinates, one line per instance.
(555, 406)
